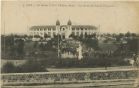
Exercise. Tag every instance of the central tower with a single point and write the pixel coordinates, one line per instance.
(57, 27)
(69, 29)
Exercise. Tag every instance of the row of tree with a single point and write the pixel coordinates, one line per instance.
(14, 48)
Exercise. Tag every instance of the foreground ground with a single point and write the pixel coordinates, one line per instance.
(113, 83)
(109, 84)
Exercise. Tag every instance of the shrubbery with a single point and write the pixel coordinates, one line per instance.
(8, 68)
(29, 66)
(15, 48)
(91, 62)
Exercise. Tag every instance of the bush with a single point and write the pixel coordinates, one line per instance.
(29, 66)
(32, 66)
(8, 68)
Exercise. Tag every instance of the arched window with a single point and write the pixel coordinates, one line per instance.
(73, 29)
(63, 29)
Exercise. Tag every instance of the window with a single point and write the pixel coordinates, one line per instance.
(85, 33)
(45, 29)
(54, 29)
(49, 29)
(73, 33)
(73, 28)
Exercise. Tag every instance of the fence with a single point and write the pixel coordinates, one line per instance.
(66, 77)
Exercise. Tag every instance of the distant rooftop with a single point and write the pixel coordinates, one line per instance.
(54, 26)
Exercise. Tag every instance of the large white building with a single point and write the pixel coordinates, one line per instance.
(64, 30)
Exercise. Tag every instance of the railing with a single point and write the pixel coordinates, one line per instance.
(66, 77)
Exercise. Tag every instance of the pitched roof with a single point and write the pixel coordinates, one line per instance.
(46, 26)
(84, 26)
(54, 26)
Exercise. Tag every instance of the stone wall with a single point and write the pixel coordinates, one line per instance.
(65, 77)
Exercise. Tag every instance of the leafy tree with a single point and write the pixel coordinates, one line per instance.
(46, 36)
(74, 36)
(19, 47)
(68, 62)
(7, 44)
(133, 45)
(91, 43)
(94, 35)
(41, 46)
(133, 35)
(128, 34)
(36, 36)
(121, 35)
(35, 44)
(81, 36)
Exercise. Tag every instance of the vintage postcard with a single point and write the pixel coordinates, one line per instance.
(70, 44)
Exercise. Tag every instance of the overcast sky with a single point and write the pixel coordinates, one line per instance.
(114, 17)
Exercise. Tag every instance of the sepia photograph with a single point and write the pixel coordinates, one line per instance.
(69, 44)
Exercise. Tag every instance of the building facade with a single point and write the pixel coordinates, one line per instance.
(63, 30)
